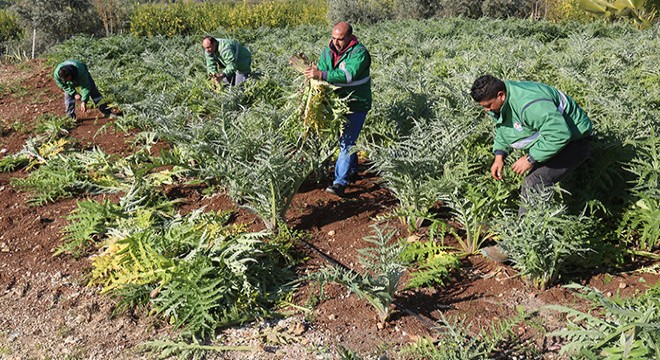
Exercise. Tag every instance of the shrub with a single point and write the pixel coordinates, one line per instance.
(195, 18)
(415, 9)
(469, 8)
(540, 242)
(9, 27)
(503, 9)
(359, 11)
(624, 329)
(379, 282)
(113, 14)
(559, 10)
(640, 225)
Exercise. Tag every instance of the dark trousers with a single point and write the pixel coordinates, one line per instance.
(235, 79)
(545, 175)
(94, 94)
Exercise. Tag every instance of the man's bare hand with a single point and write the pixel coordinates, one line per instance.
(83, 106)
(313, 72)
(497, 167)
(76, 96)
(521, 165)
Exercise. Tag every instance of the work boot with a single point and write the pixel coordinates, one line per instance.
(336, 189)
(495, 253)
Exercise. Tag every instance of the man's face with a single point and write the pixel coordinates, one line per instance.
(67, 78)
(209, 46)
(340, 38)
(494, 104)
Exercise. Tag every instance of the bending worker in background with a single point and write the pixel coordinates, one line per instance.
(548, 124)
(226, 60)
(72, 74)
(345, 63)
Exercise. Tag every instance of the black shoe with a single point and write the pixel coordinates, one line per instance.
(353, 177)
(336, 189)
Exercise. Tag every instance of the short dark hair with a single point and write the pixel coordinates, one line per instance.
(486, 87)
(67, 71)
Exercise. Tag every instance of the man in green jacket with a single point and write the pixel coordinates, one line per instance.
(539, 119)
(72, 74)
(226, 60)
(345, 63)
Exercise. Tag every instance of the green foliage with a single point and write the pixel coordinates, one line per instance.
(88, 222)
(540, 241)
(415, 9)
(640, 224)
(432, 264)
(359, 11)
(63, 176)
(474, 208)
(415, 167)
(469, 8)
(502, 9)
(13, 162)
(193, 18)
(9, 27)
(194, 350)
(200, 274)
(378, 284)
(622, 329)
(56, 21)
(54, 126)
(497, 341)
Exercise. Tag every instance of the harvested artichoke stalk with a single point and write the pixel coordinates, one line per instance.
(321, 109)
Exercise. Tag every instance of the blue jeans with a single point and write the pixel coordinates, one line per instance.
(347, 161)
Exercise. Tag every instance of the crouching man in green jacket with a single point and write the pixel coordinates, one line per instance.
(226, 60)
(72, 74)
(540, 119)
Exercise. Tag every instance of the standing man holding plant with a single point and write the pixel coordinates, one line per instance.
(541, 120)
(345, 63)
(72, 74)
(226, 60)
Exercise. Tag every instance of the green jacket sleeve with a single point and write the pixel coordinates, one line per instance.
(210, 63)
(500, 144)
(324, 60)
(85, 86)
(356, 63)
(229, 58)
(554, 131)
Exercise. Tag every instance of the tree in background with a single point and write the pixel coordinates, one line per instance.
(114, 14)
(56, 20)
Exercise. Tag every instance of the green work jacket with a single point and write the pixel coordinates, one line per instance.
(80, 79)
(351, 75)
(538, 118)
(231, 57)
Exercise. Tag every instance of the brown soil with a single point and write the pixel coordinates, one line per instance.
(47, 311)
